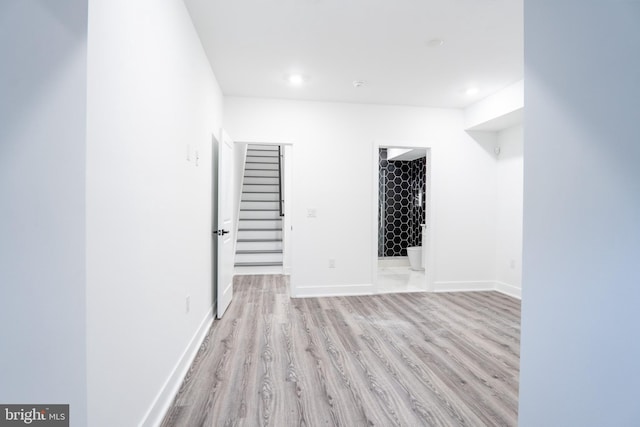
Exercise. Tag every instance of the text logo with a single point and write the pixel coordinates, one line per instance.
(34, 415)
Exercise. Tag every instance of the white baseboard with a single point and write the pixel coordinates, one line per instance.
(369, 289)
(463, 286)
(507, 289)
(332, 291)
(170, 388)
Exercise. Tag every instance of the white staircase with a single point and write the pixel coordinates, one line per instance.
(259, 244)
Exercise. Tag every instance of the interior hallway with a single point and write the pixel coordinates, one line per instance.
(394, 359)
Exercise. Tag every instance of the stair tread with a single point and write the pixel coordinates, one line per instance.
(258, 240)
(257, 264)
(259, 251)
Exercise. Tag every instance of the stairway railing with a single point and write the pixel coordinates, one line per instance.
(280, 180)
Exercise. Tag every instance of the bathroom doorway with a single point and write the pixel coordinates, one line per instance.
(402, 255)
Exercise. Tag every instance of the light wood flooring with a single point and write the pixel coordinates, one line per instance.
(414, 359)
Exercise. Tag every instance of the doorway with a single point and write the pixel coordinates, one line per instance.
(264, 208)
(402, 243)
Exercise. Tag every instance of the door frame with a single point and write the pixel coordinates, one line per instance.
(287, 193)
(428, 254)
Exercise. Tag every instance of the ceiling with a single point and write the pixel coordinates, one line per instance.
(254, 45)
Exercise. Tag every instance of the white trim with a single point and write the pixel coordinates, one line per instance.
(463, 286)
(237, 188)
(485, 285)
(375, 176)
(171, 386)
(510, 290)
(428, 242)
(369, 289)
(333, 290)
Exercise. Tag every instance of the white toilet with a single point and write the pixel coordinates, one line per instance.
(415, 257)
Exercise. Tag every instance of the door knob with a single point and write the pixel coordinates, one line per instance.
(223, 232)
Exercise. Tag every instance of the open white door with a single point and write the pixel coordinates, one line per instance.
(224, 231)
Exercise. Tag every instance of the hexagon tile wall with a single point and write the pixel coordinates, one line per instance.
(401, 195)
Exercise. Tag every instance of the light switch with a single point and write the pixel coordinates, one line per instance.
(312, 213)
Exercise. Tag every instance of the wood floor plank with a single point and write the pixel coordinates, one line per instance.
(414, 359)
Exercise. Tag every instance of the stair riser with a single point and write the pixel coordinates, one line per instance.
(260, 235)
(258, 246)
(261, 180)
(256, 223)
(260, 188)
(274, 214)
(251, 173)
(263, 159)
(260, 270)
(261, 196)
(262, 149)
(259, 257)
(269, 166)
(273, 204)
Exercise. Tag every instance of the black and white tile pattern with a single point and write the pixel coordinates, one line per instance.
(402, 197)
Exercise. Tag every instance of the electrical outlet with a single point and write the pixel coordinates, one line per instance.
(188, 303)
(332, 263)
(512, 264)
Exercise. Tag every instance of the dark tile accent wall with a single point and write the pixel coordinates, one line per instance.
(401, 186)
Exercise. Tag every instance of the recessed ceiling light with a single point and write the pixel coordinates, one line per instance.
(296, 79)
(358, 83)
(472, 91)
(435, 42)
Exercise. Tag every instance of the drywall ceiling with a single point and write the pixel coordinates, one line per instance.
(253, 45)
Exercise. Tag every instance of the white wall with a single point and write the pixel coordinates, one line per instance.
(341, 191)
(42, 203)
(497, 111)
(151, 94)
(509, 176)
(581, 281)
